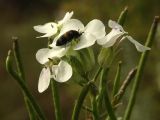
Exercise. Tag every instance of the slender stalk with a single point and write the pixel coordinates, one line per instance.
(95, 108)
(140, 69)
(106, 97)
(56, 100)
(101, 88)
(122, 17)
(97, 73)
(117, 79)
(21, 74)
(123, 87)
(79, 102)
(18, 58)
(23, 87)
(109, 105)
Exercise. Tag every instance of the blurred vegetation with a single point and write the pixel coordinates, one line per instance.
(18, 18)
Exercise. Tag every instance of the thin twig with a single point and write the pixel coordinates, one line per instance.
(124, 86)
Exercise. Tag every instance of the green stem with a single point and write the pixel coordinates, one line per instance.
(101, 88)
(106, 97)
(21, 74)
(23, 87)
(18, 58)
(140, 69)
(109, 105)
(95, 108)
(56, 100)
(97, 73)
(122, 17)
(30, 109)
(117, 79)
(79, 102)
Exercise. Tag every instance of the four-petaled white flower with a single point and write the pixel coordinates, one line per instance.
(117, 32)
(60, 72)
(94, 30)
(51, 28)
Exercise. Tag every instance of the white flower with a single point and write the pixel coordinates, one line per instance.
(94, 30)
(51, 28)
(117, 31)
(60, 72)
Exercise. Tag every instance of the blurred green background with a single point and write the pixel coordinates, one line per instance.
(17, 18)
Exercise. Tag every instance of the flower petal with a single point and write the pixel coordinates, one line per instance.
(138, 46)
(67, 17)
(43, 54)
(96, 28)
(85, 40)
(63, 73)
(44, 79)
(110, 38)
(72, 24)
(114, 25)
(49, 29)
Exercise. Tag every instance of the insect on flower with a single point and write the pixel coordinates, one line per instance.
(68, 37)
(87, 35)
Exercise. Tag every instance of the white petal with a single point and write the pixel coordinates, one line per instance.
(72, 24)
(110, 38)
(44, 79)
(139, 46)
(67, 16)
(114, 25)
(49, 29)
(96, 28)
(63, 73)
(85, 40)
(43, 54)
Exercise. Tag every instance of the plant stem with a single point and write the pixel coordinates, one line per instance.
(117, 80)
(79, 102)
(18, 58)
(21, 74)
(23, 87)
(106, 97)
(123, 87)
(95, 108)
(97, 73)
(122, 17)
(56, 100)
(140, 69)
(109, 105)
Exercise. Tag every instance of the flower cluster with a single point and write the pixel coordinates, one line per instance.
(83, 36)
